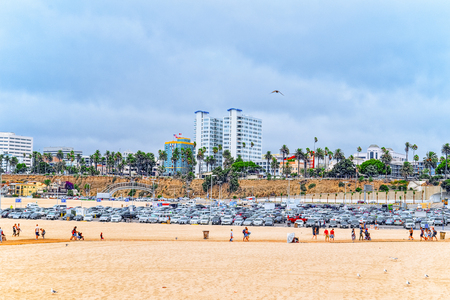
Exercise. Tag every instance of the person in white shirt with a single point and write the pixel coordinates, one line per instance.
(36, 231)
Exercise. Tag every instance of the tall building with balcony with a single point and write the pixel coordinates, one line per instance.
(208, 134)
(242, 135)
(17, 146)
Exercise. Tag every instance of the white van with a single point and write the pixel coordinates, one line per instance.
(32, 205)
(191, 203)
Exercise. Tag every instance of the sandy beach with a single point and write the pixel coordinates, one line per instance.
(154, 261)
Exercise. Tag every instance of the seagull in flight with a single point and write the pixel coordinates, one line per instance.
(359, 276)
(277, 91)
(53, 291)
(426, 276)
(407, 282)
(393, 258)
(385, 271)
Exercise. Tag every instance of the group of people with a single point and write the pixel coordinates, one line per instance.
(76, 235)
(16, 230)
(39, 231)
(246, 234)
(426, 234)
(329, 236)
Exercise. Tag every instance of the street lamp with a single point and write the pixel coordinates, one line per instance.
(289, 188)
(345, 191)
(210, 198)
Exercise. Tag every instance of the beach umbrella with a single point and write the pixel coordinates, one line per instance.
(290, 237)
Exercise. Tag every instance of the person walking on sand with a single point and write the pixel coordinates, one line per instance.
(325, 233)
(1, 235)
(231, 235)
(101, 236)
(361, 236)
(376, 225)
(434, 234)
(14, 230)
(36, 231)
(18, 230)
(353, 235)
(332, 235)
(43, 233)
(421, 234)
(74, 234)
(411, 231)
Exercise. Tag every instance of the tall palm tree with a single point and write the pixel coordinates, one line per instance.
(446, 151)
(284, 150)
(320, 154)
(130, 160)
(339, 155)
(386, 158)
(200, 158)
(314, 151)
(215, 150)
(14, 161)
(7, 159)
(97, 158)
(268, 156)
(326, 151)
(359, 149)
(300, 155)
(49, 158)
(416, 160)
(407, 147)
(1, 162)
(175, 157)
(274, 165)
(430, 160)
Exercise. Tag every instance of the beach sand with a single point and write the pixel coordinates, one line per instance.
(144, 261)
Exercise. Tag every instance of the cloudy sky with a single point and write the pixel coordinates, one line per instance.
(118, 75)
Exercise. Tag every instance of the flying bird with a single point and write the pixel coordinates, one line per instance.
(385, 271)
(426, 276)
(407, 282)
(53, 291)
(359, 276)
(278, 92)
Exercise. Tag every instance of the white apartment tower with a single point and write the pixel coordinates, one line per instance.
(16, 146)
(208, 133)
(240, 130)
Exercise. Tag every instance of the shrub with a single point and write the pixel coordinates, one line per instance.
(358, 189)
(361, 179)
(269, 177)
(15, 195)
(341, 184)
(370, 179)
(384, 188)
(311, 186)
(303, 187)
(234, 197)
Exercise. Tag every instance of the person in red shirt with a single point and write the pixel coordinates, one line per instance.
(327, 237)
(332, 235)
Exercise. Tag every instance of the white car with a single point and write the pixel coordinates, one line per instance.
(204, 220)
(116, 218)
(194, 220)
(299, 223)
(227, 221)
(143, 219)
(258, 222)
(89, 217)
(175, 219)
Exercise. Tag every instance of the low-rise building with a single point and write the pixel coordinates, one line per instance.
(29, 188)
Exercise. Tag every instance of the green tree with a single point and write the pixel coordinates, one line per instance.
(274, 165)
(13, 163)
(371, 170)
(446, 151)
(344, 168)
(406, 170)
(380, 166)
(320, 154)
(430, 160)
(268, 156)
(300, 155)
(407, 147)
(386, 158)
(284, 150)
(339, 155)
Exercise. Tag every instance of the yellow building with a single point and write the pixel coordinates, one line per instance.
(29, 188)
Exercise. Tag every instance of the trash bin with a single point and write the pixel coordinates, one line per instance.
(295, 225)
(442, 233)
(68, 218)
(205, 235)
(289, 224)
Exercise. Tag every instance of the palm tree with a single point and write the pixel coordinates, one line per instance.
(130, 160)
(339, 155)
(430, 160)
(320, 154)
(200, 158)
(268, 156)
(407, 147)
(97, 157)
(215, 150)
(14, 161)
(326, 151)
(175, 157)
(314, 151)
(416, 159)
(359, 149)
(284, 152)
(300, 155)
(49, 158)
(1, 162)
(7, 159)
(446, 151)
(386, 158)
(274, 165)
(406, 170)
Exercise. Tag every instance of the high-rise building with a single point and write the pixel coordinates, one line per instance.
(238, 133)
(242, 135)
(181, 164)
(17, 146)
(208, 134)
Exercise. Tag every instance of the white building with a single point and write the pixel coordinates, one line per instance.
(208, 133)
(375, 152)
(65, 150)
(17, 146)
(240, 130)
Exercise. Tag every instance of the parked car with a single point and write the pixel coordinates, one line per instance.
(116, 218)
(183, 220)
(227, 221)
(78, 218)
(300, 223)
(105, 218)
(269, 222)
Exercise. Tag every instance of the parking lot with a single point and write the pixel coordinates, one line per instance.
(189, 212)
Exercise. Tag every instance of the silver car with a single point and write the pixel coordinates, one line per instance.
(116, 218)
(227, 221)
(258, 222)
